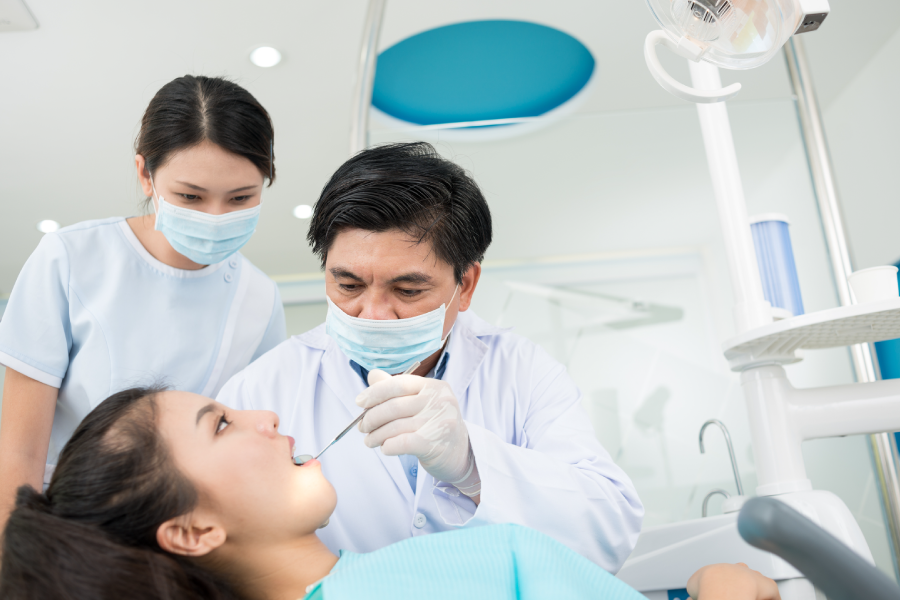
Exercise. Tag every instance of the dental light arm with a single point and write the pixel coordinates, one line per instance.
(672, 85)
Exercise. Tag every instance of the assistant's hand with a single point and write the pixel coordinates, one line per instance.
(418, 416)
(731, 582)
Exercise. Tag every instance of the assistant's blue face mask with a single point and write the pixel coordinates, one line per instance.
(205, 239)
(391, 345)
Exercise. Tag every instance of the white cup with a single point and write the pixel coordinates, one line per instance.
(874, 284)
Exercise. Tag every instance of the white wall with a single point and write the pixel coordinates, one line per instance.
(863, 128)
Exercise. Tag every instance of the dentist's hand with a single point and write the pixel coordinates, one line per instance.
(418, 416)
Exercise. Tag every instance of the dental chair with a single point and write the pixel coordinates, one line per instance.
(832, 567)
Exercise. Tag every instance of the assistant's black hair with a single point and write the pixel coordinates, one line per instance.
(192, 109)
(409, 187)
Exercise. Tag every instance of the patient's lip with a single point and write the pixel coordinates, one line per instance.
(291, 443)
(311, 463)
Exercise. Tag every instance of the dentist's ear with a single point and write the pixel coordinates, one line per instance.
(189, 536)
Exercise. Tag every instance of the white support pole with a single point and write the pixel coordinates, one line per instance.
(365, 77)
(750, 307)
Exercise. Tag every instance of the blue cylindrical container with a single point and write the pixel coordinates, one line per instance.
(775, 256)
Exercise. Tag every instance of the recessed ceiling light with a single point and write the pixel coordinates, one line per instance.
(47, 226)
(303, 211)
(265, 56)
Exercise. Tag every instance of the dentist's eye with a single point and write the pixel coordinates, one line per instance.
(222, 424)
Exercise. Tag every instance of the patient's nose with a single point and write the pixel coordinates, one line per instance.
(266, 422)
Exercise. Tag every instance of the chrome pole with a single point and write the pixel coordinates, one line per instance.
(365, 76)
(825, 188)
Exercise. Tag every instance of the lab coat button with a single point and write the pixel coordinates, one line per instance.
(414, 471)
(232, 263)
(228, 277)
(420, 521)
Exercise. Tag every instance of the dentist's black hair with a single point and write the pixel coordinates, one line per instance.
(409, 187)
(93, 533)
(192, 109)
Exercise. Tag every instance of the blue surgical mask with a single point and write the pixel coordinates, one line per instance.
(205, 239)
(391, 345)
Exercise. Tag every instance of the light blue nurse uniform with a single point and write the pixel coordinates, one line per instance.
(93, 313)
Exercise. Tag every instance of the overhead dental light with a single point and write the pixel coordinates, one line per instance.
(734, 34)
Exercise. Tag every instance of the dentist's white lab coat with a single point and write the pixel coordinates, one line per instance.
(539, 460)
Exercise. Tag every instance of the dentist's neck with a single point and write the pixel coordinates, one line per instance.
(279, 571)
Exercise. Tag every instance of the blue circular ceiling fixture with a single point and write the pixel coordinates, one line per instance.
(480, 71)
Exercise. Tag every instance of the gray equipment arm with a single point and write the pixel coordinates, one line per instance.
(831, 566)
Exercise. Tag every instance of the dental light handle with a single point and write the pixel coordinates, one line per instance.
(690, 51)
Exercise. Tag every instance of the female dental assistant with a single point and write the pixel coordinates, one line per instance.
(103, 305)
(489, 429)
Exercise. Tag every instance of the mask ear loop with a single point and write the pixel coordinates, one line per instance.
(155, 209)
(444, 341)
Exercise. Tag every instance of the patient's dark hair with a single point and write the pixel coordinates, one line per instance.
(93, 533)
(409, 187)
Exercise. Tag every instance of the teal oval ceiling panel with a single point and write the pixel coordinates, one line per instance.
(480, 70)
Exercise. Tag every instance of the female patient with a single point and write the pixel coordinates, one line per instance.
(163, 494)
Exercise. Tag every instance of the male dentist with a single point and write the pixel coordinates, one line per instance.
(489, 429)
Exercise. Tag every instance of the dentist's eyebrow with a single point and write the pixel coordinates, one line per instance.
(338, 272)
(414, 277)
(209, 408)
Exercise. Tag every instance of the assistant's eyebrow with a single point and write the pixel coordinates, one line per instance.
(345, 274)
(211, 407)
(201, 189)
(414, 277)
(192, 186)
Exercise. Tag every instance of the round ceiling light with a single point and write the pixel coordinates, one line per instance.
(47, 226)
(265, 56)
(303, 211)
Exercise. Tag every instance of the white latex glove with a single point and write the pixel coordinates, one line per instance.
(417, 416)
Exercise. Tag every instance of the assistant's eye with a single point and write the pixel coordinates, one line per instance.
(240, 199)
(222, 424)
(190, 196)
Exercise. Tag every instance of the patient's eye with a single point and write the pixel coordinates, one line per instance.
(222, 424)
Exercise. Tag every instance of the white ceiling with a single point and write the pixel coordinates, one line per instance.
(74, 91)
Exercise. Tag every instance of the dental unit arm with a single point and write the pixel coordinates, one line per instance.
(834, 568)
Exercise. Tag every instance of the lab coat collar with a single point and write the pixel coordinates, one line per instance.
(467, 350)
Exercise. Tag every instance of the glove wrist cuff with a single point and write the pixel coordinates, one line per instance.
(470, 483)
